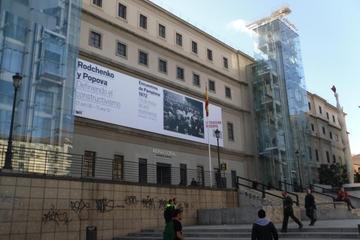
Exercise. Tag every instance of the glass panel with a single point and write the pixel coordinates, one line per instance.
(44, 101)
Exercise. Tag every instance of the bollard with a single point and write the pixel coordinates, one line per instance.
(91, 233)
(359, 228)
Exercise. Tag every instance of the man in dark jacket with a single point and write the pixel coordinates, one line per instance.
(310, 207)
(288, 212)
(263, 229)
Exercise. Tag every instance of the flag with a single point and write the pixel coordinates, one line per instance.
(206, 102)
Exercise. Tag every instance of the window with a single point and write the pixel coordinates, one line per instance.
(309, 105)
(143, 21)
(44, 101)
(183, 175)
(211, 85)
(327, 157)
(194, 47)
(162, 66)
(12, 59)
(162, 31)
(200, 175)
(196, 79)
(225, 62)
(230, 129)
(163, 173)
(323, 130)
(210, 54)
(333, 117)
(320, 110)
(233, 179)
(334, 158)
(42, 129)
(118, 167)
(227, 92)
(312, 127)
(95, 39)
(89, 164)
(122, 11)
(16, 27)
(142, 170)
(121, 49)
(143, 58)
(180, 73)
(179, 39)
(331, 136)
(317, 155)
(327, 115)
(52, 56)
(310, 153)
(97, 3)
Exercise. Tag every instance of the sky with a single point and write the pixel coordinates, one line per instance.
(329, 35)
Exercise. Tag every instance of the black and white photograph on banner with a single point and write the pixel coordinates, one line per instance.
(183, 115)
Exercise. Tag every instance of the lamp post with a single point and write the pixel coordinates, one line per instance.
(297, 153)
(217, 135)
(8, 157)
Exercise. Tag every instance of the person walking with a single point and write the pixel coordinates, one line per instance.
(310, 207)
(288, 211)
(177, 224)
(342, 195)
(263, 229)
(173, 228)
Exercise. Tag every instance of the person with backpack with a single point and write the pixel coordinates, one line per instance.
(288, 212)
(263, 229)
(173, 228)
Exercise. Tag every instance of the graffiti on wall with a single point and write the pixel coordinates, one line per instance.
(103, 205)
(57, 216)
(106, 205)
(78, 206)
(152, 203)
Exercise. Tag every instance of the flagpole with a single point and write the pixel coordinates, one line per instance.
(208, 129)
(209, 147)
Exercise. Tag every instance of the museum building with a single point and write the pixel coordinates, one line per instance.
(149, 123)
(137, 95)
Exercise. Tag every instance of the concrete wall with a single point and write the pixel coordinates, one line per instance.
(35, 208)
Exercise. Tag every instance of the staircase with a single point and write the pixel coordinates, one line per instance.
(250, 202)
(232, 232)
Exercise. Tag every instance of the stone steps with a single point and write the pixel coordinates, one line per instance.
(233, 232)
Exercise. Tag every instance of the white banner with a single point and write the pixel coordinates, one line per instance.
(109, 96)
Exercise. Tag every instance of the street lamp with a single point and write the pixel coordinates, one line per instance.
(8, 157)
(297, 153)
(217, 135)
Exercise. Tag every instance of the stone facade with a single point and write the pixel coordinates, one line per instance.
(37, 208)
(107, 140)
(326, 145)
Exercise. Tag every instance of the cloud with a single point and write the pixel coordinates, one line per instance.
(239, 25)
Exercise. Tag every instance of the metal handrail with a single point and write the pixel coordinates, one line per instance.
(263, 191)
(264, 187)
(311, 186)
(294, 187)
